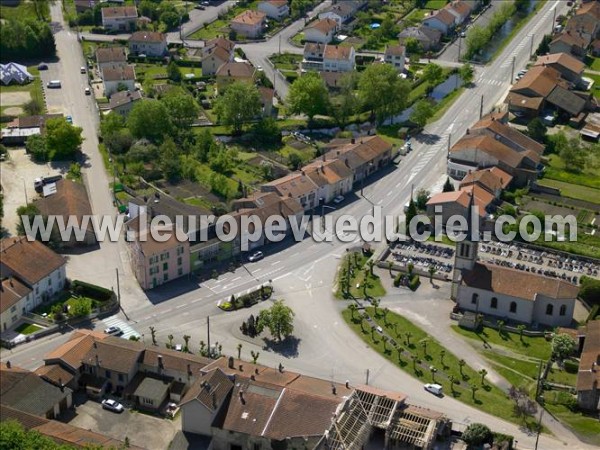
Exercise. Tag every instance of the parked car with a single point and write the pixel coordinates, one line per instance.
(114, 331)
(88, 91)
(83, 69)
(338, 199)
(112, 405)
(256, 256)
(178, 348)
(42, 66)
(54, 84)
(434, 388)
(70, 119)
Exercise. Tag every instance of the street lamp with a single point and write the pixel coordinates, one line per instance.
(25, 191)
(539, 426)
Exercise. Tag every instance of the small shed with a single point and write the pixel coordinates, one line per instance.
(151, 393)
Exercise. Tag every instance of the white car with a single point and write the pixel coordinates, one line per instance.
(112, 405)
(83, 69)
(114, 331)
(259, 68)
(434, 388)
(338, 199)
(88, 91)
(178, 348)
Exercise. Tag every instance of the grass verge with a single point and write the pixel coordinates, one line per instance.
(586, 427)
(357, 263)
(27, 328)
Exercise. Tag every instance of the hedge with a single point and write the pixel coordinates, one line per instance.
(571, 366)
(414, 282)
(91, 290)
(593, 312)
(247, 300)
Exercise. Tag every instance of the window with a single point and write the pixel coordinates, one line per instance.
(549, 309)
(179, 261)
(513, 307)
(494, 303)
(49, 281)
(563, 310)
(13, 309)
(107, 374)
(120, 377)
(475, 298)
(180, 271)
(166, 277)
(165, 266)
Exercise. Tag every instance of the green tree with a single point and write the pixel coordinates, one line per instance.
(432, 270)
(267, 131)
(153, 334)
(574, 156)
(36, 146)
(413, 46)
(411, 212)
(461, 365)
(352, 308)
(170, 19)
(74, 172)
(26, 39)
(467, 74)
(476, 39)
(239, 104)
(521, 329)
(423, 344)
(30, 211)
(170, 161)
(448, 186)
(537, 130)
(477, 434)
(111, 123)
(422, 112)
(62, 138)
(408, 335)
(182, 108)
(14, 436)
(186, 340)
(205, 145)
(170, 338)
(382, 92)
(433, 74)
(483, 373)
(563, 346)
(346, 103)
(308, 95)
(474, 389)
(254, 356)
(80, 307)
(279, 319)
(149, 119)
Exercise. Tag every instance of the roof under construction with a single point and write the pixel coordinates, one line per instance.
(367, 409)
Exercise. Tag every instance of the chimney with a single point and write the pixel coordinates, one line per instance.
(242, 397)
(353, 141)
(593, 366)
(280, 368)
(61, 385)
(10, 281)
(8, 364)
(241, 367)
(347, 384)
(230, 362)
(160, 362)
(333, 389)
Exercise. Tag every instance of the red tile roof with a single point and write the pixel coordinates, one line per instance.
(11, 291)
(249, 17)
(147, 36)
(587, 378)
(563, 60)
(325, 26)
(31, 261)
(115, 12)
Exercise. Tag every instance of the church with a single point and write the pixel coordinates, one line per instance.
(509, 294)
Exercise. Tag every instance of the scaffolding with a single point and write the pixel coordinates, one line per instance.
(364, 411)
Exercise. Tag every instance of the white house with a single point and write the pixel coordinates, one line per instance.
(321, 31)
(275, 9)
(122, 102)
(396, 56)
(214, 59)
(342, 12)
(441, 20)
(460, 10)
(338, 59)
(119, 18)
(149, 43)
(31, 274)
(249, 23)
(203, 401)
(120, 78)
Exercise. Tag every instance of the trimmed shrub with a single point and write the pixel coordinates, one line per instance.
(397, 279)
(571, 366)
(91, 290)
(414, 283)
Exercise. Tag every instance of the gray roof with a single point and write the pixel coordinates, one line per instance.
(567, 100)
(13, 72)
(25, 391)
(152, 388)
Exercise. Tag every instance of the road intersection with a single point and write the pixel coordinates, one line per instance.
(302, 273)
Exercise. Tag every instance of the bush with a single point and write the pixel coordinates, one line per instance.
(477, 434)
(247, 300)
(91, 290)
(414, 283)
(500, 438)
(590, 290)
(571, 366)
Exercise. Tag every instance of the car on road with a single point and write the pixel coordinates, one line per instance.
(463, 34)
(205, 3)
(434, 388)
(178, 348)
(114, 331)
(200, 7)
(42, 66)
(260, 68)
(70, 119)
(112, 405)
(88, 91)
(54, 84)
(83, 69)
(338, 199)
(256, 256)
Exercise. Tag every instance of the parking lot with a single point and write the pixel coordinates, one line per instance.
(16, 176)
(141, 429)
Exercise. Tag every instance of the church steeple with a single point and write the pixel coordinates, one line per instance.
(466, 251)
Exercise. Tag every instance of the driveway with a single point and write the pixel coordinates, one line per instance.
(141, 429)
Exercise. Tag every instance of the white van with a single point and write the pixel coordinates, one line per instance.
(54, 84)
(434, 388)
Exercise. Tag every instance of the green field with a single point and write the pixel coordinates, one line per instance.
(595, 63)
(435, 4)
(590, 176)
(533, 347)
(375, 288)
(596, 78)
(487, 397)
(586, 427)
(575, 191)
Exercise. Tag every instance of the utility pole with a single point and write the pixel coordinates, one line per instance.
(367, 383)
(531, 48)
(481, 108)
(118, 288)
(208, 333)
(537, 438)
(512, 73)
(280, 39)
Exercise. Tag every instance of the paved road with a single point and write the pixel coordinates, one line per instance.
(99, 265)
(303, 273)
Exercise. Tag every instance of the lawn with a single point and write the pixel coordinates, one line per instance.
(286, 61)
(487, 397)
(529, 369)
(595, 64)
(65, 298)
(590, 176)
(534, 347)
(28, 328)
(556, 375)
(586, 427)
(25, 10)
(515, 379)
(415, 16)
(435, 4)
(210, 31)
(357, 262)
(575, 191)
(596, 78)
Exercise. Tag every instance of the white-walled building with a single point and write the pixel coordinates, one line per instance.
(249, 23)
(118, 77)
(338, 59)
(321, 31)
(119, 18)
(275, 9)
(396, 56)
(149, 43)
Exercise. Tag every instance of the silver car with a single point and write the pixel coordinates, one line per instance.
(112, 405)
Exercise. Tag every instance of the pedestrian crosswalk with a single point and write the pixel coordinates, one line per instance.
(128, 331)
